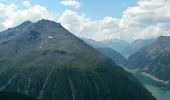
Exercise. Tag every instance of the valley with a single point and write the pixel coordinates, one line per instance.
(147, 64)
(84, 50)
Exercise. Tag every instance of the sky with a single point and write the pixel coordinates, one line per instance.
(96, 19)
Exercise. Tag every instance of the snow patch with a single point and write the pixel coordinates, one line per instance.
(50, 37)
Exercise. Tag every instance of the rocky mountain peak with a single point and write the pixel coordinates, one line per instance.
(47, 23)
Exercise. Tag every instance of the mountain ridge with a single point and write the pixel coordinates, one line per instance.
(114, 55)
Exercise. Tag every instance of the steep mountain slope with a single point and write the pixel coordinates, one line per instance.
(115, 56)
(48, 62)
(154, 59)
(14, 96)
(136, 46)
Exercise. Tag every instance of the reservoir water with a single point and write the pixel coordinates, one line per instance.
(159, 90)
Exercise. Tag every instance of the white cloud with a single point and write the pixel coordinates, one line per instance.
(77, 24)
(73, 3)
(83, 26)
(107, 29)
(11, 15)
(146, 20)
(26, 3)
(105, 34)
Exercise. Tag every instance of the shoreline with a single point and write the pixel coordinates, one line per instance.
(165, 82)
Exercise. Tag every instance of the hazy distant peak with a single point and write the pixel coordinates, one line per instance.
(21, 26)
(27, 22)
(138, 40)
(114, 40)
(163, 39)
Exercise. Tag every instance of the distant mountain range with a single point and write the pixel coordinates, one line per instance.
(115, 44)
(153, 59)
(105, 50)
(46, 61)
(136, 46)
(124, 48)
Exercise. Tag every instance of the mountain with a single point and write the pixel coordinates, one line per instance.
(115, 44)
(14, 96)
(122, 47)
(48, 62)
(136, 46)
(154, 59)
(115, 56)
(95, 44)
(13, 32)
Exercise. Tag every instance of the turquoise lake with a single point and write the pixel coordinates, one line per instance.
(159, 90)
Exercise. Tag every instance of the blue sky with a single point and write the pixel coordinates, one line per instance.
(101, 8)
(95, 9)
(96, 19)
